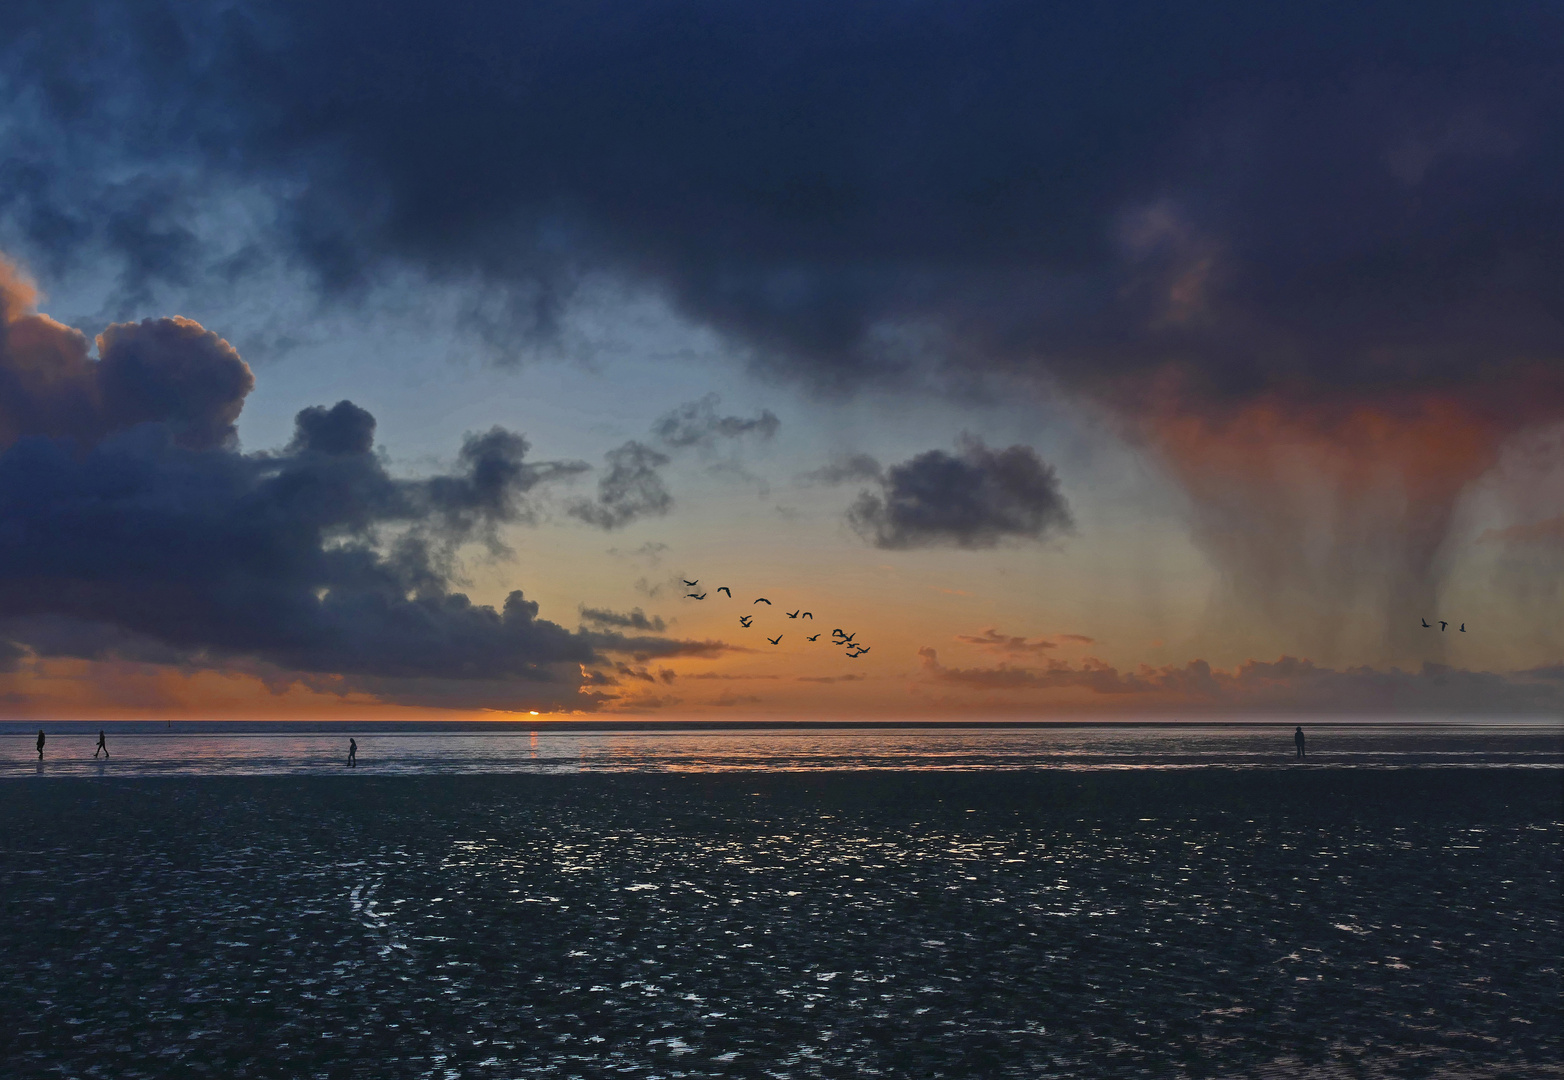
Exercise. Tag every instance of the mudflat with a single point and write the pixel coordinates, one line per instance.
(1200, 922)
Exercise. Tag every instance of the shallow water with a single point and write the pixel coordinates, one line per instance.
(1328, 923)
(215, 749)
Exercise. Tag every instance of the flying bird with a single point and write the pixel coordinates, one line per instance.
(1426, 626)
(691, 584)
(809, 614)
(836, 633)
(745, 620)
(763, 600)
(1463, 628)
(847, 639)
(792, 614)
(696, 596)
(1442, 625)
(861, 650)
(774, 640)
(724, 588)
(852, 656)
(815, 638)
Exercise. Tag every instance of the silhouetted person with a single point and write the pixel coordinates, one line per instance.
(1297, 738)
(40, 744)
(353, 753)
(103, 746)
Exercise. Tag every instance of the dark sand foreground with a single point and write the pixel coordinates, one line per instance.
(1201, 923)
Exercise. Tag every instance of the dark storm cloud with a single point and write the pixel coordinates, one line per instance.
(1327, 194)
(134, 528)
(976, 498)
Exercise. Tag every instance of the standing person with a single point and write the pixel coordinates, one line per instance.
(102, 746)
(1297, 738)
(353, 753)
(40, 744)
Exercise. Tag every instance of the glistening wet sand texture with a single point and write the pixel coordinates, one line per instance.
(1201, 923)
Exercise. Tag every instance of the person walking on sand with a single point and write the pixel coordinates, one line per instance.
(103, 746)
(1297, 738)
(40, 744)
(353, 753)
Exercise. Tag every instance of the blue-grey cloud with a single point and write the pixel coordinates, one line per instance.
(135, 528)
(697, 423)
(631, 488)
(975, 498)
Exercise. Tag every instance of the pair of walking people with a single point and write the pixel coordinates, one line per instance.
(103, 745)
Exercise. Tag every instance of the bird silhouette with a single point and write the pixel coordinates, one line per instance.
(861, 650)
(1442, 625)
(691, 584)
(763, 600)
(852, 656)
(836, 633)
(696, 596)
(815, 638)
(792, 614)
(1426, 626)
(809, 614)
(1463, 628)
(724, 588)
(745, 620)
(774, 640)
(847, 639)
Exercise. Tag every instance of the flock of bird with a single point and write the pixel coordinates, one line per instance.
(838, 636)
(1442, 624)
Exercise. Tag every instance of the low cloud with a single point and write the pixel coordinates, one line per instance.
(831, 678)
(976, 498)
(641, 674)
(994, 641)
(1286, 685)
(635, 619)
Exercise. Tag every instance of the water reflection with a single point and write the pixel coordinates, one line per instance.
(238, 752)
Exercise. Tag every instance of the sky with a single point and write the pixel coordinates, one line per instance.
(403, 361)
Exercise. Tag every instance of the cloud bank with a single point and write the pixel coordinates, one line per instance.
(134, 528)
(1287, 685)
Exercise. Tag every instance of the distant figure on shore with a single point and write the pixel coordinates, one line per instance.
(353, 753)
(1297, 738)
(40, 744)
(103, 746)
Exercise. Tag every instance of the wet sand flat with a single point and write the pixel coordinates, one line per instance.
(1198, 923)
